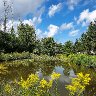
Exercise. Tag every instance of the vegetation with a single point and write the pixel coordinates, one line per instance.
(26, 40)
(21, 52)
(78, 84)
(33, 86)
(82, 60)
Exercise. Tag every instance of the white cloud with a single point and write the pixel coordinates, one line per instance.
(73, 33)
(10, 24)
(66, 26)
(54, 9)
(31, 22)
(39, 34)
(36, 20)
(86, 17)
(22, 7)
(52, 30)
(72, 3)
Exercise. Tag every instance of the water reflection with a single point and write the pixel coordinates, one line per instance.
(44, 69)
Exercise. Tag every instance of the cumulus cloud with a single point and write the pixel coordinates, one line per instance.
(54, 9)
(52, 30)
(86, 17)
(73, 33)
(66, 26)
(72, 3)
(37, 19)
(10, 23)
(39, 33)
(22, 7)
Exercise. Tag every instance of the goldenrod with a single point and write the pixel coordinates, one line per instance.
(78, 84)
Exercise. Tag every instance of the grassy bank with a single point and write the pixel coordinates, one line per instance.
(72, 59)
(79, 59)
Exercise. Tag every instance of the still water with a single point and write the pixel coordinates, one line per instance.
(44, 69)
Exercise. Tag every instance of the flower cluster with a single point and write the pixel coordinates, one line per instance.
(45, 84)
(55, 76)
(39, 87)
(78, 84)
(31, 81)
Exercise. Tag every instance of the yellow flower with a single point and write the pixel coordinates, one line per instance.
(31, 81)
(78, 84)
(7, 88)
(43, 83)
(50, 83)
(55, 76)
(46, 84)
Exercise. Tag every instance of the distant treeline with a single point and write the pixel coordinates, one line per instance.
(26, 40)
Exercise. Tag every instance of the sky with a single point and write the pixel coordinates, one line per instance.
(61, 19)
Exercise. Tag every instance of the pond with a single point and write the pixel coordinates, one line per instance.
(44, 69)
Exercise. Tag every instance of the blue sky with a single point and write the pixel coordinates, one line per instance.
(62, 19)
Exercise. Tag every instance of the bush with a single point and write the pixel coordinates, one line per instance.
(14, 56)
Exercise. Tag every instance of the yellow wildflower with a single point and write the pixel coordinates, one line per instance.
(78, 84)
(31, 81)
(50, 83)
(43, 83)
(55, 76)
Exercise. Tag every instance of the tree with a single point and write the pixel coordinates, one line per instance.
(59, 48)
(68, 47)
(48, 46)
(27, 37)
(88, 39)
(14, 42)
(78, 46)
(38, 49)
(5, 41)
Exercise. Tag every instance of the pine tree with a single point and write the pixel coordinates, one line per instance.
(88, 39)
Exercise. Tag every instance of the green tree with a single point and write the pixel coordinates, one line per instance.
(14, 42)
(27, 37)
(5, 41)
(88, 39)
(78, 46)
(48, 46)
(68, 47)
(59, 48)
(38, 49)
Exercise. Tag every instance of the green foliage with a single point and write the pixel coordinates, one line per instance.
(25, 40)
(27, 37)
(78, 46)
(68, 47)
(49, 46)
(14, 56)
(79, 59)
(88, 39)
(83, 60)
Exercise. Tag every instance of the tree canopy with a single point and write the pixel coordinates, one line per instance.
(26, 40)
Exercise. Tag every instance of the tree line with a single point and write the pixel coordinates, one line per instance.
(26, 40)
